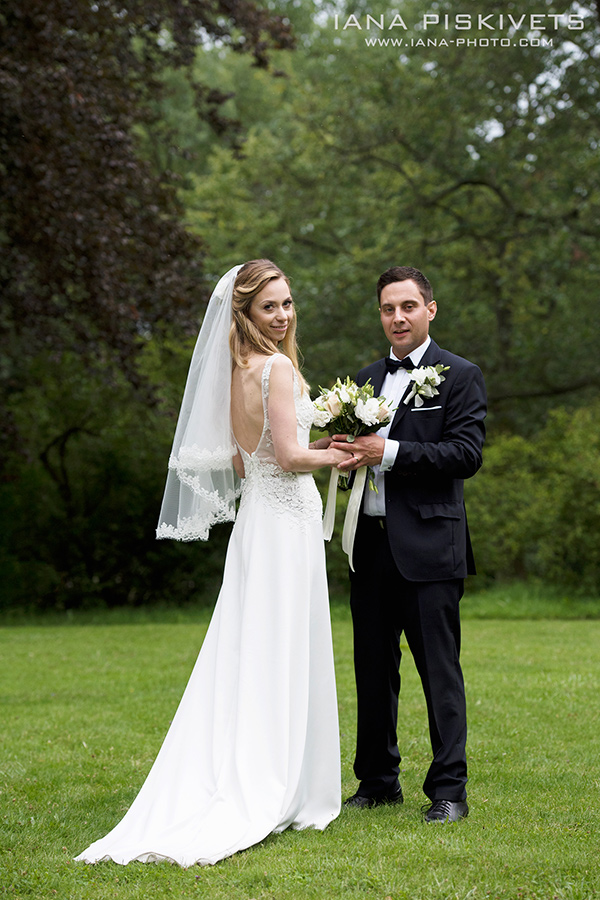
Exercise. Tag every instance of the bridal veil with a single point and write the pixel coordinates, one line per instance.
(202, 484)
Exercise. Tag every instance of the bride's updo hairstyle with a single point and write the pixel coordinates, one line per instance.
(244, 336)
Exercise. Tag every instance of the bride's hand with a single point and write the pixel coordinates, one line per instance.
(320, 444)
(340, 456)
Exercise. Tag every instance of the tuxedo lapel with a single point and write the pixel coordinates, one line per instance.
(378, 376)
(401, 411)
(432, 355)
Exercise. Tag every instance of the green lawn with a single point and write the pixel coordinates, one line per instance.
(85, 707)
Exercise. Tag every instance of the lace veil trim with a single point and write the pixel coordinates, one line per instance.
(201, 460)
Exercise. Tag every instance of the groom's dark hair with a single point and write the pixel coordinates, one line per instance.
(405, 273)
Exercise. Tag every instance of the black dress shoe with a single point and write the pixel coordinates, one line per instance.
(357, 801)
(445, 811)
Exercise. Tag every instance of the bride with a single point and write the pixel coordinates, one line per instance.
(254, 745)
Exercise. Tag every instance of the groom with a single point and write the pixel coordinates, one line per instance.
(412, 550)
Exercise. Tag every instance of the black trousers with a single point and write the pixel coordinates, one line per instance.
(384, 604)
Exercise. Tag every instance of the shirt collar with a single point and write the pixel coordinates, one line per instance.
(416, 355)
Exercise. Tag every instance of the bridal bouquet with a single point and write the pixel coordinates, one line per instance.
(348, 409)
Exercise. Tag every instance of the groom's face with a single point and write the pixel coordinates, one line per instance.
(404, 316)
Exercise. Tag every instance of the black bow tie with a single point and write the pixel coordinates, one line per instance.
(392, 365)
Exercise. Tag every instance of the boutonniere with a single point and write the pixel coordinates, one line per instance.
(426, 380)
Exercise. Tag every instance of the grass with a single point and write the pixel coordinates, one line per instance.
(529, 601)
(520, 600)
(85, 709)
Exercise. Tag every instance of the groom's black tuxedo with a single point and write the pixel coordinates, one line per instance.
(409, 571)
(441, 444)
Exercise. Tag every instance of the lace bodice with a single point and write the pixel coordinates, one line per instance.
(286, 493)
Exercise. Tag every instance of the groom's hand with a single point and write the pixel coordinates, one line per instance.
(367, 450)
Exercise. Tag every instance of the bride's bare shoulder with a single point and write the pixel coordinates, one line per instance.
(256, 362)
(246, 380)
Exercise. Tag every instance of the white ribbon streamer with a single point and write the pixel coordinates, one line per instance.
(329, 517)
(352, 512)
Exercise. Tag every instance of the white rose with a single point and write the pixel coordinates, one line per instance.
(383, 413)
(420, 376)
(321, 417)
(368, 411)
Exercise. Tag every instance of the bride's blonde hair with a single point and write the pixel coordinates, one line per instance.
(244, 336)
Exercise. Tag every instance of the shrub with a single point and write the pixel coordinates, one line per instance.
(80, 502)
(534, 509)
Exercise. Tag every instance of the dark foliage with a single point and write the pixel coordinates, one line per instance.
(93, 251)
(94, 258)
(77, 523)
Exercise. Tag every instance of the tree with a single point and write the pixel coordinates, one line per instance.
(94, 253)
(478, 165)
(95, 261)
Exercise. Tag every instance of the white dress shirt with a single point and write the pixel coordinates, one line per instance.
(393, 389)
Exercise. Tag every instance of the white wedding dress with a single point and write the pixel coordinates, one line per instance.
(254, 745)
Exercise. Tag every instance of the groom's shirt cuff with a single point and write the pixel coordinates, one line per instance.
(390, 452)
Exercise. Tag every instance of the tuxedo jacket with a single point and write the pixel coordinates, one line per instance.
(440, 444)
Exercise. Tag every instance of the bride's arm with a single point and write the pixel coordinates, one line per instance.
(282, 417)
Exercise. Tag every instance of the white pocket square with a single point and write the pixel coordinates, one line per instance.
(424, 408)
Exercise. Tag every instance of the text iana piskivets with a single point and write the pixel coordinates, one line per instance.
(464, 22)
